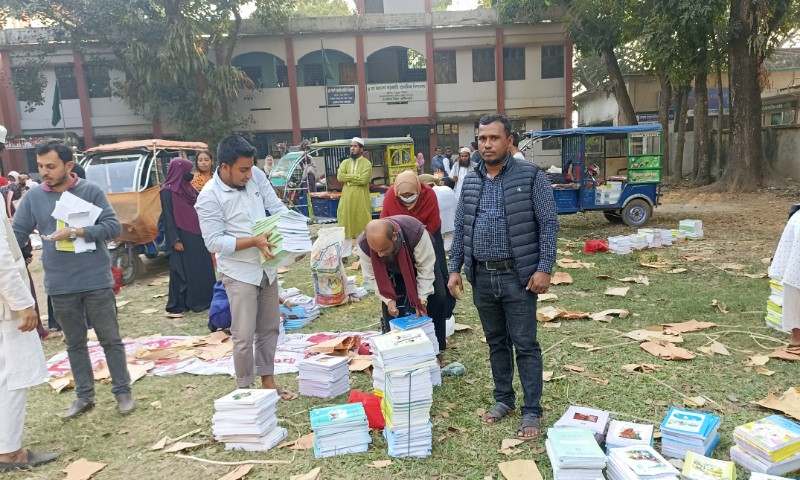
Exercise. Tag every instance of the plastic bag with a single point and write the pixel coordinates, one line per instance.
(219, 314)
(595, 246)
(327, 269)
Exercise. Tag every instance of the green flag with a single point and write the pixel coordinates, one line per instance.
(327, 68)
(56, 118)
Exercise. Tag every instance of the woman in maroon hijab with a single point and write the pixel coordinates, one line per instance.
(191, 275)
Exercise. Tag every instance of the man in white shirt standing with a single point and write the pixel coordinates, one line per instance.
(230, 204)
(22, 362)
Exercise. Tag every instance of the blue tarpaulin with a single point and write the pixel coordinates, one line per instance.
(650, 127)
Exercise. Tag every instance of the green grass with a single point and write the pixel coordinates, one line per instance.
(463, 447)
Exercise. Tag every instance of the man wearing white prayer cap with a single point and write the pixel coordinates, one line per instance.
(355, 208)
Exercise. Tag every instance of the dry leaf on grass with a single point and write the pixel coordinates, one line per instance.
(757, 361)
(380, 463)
(159, 295)
(547, 375)
(608, 315)
(617, 291)
(678, 270)
(686, 327)
(238, 472)
(574, 315)
(508, 444)
(572, 263)
(149, 311)
(173, 315)
(789, 353)
(639, 279)
(695, 402)
(180, 446)
(719, 306)
(156, 405)
(460, 327)
(656, 265)
(159, 445)
(764, 371)
(547, 297)
(82, 469)
(62, 383)
(574, 368)
(595, 379)
(122, 303)
(730, 266)
(693, 258)
(303, 443)
(788, 402)
(766, 260)
(552, 325)
(644, 335)
(520, 470)
(561, 278)
(359, 363)
(548, 313)
(603, 277)
(666, 351)
(640, 367)
(312, 475)
(585, 346)
(716, 348)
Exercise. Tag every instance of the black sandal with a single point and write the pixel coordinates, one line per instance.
(529, 420)
(499, 411)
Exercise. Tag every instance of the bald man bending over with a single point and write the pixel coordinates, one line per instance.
(398, 261)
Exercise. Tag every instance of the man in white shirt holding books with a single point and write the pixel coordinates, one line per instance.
(230, 204)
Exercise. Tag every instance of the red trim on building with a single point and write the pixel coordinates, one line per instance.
(395, 122)
(431, 81)
(9, 117)
(83, 99)
(428, 6)
(361, 72)
(360, 7)
(498, 69)
(568, 82)
(293, 102)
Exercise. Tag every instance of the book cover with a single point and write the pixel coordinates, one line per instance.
(689, 422)
(776, 436)
(348, 413)
(643, 460)
(409, 321)
(585, 417)
(698, 467)
(629, 433)
(246, 397)
(401, 342)
(574, 443)
(326, 362)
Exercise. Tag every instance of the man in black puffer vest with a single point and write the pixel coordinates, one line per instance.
(505, 238)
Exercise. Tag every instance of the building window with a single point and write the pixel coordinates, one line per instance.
(264, 70)
(313, 75)
(98, 80)
(552, 61)
(552, 124)
(68, 87)
(514, 63)
(483, 65)
(373, 6)
(445, 62)
(347, 74)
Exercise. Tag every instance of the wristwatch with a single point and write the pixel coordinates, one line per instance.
(73, 233)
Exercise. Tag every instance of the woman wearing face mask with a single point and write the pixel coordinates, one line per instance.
(191, 275)
(205, 170)
(410, 197)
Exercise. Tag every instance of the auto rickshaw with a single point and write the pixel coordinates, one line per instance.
(130, 173)
(614, 170)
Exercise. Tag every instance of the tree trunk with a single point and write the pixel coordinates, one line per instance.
(702, 162)
(682, 103)
(626, 111)
(720, 118)
(664, 101)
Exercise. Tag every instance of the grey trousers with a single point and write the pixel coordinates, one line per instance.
(255, 319)
(100, 310)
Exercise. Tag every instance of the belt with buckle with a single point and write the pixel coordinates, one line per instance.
(497, 265)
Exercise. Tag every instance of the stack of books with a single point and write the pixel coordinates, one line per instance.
(422, 322)
(591, 419)
(764, 476)
(574, 454)
(639, 462)
(625, 434)
(339, 430)
(774, 316)
(689, 431)
(691, 228)
(621, 245)
(288, 232)
(666, 236)
(698, 467)
(403, 364)
(638, 241)
(770, 445)
(324, 376)
(298, 316)
(245, 420)
(652, 236)
(402, 350)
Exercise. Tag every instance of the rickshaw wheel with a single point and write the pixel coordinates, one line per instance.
(636, 213)
(127, 260)
(613, 217)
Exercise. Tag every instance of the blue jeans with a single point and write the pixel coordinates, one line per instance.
(508, 316)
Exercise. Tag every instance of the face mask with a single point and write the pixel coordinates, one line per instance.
(188, 176)
(409, 200)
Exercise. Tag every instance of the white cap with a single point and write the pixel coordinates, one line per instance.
(357, 140)
(3, 133)
(465, 150)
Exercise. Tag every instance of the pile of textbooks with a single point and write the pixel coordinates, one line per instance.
(685, 431)
(574, 454)
(339, 430)
(770, 445)
(691, 228)
(245, 420)
(323, 376)
(698, 467)
(624, 434)
(298, 311)
(591, 419)
(404, 360)
(639, 462)
(353, 291)
(774, 316)
(620, 244)
(422, 322)
(288, 232)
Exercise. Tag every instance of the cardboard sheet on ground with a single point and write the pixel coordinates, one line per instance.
(171, 355)
(238, 472)
(686, 327)
(561, 278)
(789, 353)
(520, 470)
(666, 351)
(645, 335)
(788, 402)
(82, 469)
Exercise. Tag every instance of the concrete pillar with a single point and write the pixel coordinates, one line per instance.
(498, 71)
(361, 73)
(568, 82)
(292, 73)
(83, 99)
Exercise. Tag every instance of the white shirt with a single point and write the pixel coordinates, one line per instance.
(227, 214)
(424, 260)
(461, 173)
(786, 262)
(24, 364)
(447, 200)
